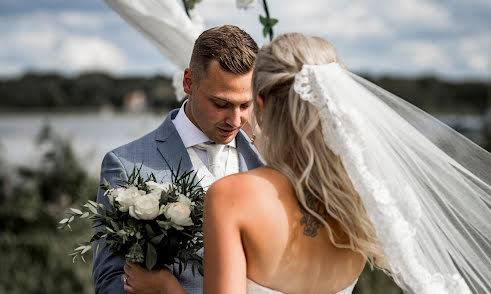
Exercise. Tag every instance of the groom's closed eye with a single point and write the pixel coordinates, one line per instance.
(222, 103)
(246, 105)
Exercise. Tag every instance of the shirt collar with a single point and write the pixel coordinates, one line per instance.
(189, 133)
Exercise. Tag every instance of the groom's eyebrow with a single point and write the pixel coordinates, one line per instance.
(228, 101)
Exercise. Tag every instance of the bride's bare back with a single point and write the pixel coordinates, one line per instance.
(256, 229)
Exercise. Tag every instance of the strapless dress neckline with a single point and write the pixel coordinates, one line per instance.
(255, 288)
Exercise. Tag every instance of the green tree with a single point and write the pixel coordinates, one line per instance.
(32, 200)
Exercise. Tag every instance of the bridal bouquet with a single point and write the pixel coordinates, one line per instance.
(154, 224)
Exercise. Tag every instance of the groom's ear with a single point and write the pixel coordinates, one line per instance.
(260, 102)
(187, 81)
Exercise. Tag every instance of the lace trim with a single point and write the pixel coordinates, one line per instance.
(339, 128)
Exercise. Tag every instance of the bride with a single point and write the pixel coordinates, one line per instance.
(296, 225)
(354, 174)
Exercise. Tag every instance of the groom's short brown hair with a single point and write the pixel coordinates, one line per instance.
(233, 48)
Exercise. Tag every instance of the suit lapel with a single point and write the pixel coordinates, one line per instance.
(249, 157)
(170, 145)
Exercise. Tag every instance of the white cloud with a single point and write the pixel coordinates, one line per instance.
(35, 41)
(85, 20)
(349, 20)
(355, 22)
(416, 13)
(91, 53)
(64, 41)
(479, 63)
(423, 54)
(476, 51)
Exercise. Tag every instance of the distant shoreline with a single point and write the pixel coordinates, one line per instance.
(77, 110)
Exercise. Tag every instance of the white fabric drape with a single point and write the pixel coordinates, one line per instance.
(165, 24)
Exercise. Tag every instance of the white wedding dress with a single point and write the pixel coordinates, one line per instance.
(255, 288)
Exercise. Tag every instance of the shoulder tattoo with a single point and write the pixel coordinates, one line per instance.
(311, 222)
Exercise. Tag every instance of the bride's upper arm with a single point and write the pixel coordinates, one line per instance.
(224, 260)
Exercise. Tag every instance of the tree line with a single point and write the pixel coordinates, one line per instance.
(87, 90)
(95, 90)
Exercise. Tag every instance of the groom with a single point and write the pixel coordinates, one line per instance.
(218, 83)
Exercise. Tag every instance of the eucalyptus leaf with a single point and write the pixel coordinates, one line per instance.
(151, 256)
(106, 184)
(77, 211)
(94, 204)
(92, 209)
(114, 225)
(87, 248)
(79, 248)
(157, 239)
(150, 232)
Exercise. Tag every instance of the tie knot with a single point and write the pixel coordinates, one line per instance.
(210, 147)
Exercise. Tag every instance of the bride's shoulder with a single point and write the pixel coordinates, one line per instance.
(259, 180)
(242, 190)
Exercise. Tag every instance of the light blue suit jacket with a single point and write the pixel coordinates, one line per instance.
(151, 149)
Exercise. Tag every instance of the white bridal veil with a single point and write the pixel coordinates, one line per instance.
(425, 187)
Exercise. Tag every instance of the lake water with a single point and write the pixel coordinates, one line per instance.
(94, 134)
(91, 134)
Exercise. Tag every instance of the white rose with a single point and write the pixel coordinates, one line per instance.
(184, 200)
(127, 198)
(146, 207)
(244, 4)
(179, 212)
(158, 188)
(113, 193)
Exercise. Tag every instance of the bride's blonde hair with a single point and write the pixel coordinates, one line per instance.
(292, 141)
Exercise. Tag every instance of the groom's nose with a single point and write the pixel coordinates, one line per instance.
(234, 117)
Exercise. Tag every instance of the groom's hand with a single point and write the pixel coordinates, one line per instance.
(140, 280)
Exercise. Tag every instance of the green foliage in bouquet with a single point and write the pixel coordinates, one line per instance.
(149, 223)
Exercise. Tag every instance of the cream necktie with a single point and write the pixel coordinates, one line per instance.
(216, 163)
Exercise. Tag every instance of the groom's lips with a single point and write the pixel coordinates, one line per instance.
(226, 132)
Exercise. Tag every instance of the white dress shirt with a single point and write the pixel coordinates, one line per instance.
(191, 136)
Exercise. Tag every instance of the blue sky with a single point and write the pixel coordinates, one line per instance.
(448, 38)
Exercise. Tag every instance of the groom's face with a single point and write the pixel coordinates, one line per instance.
(220, 103)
